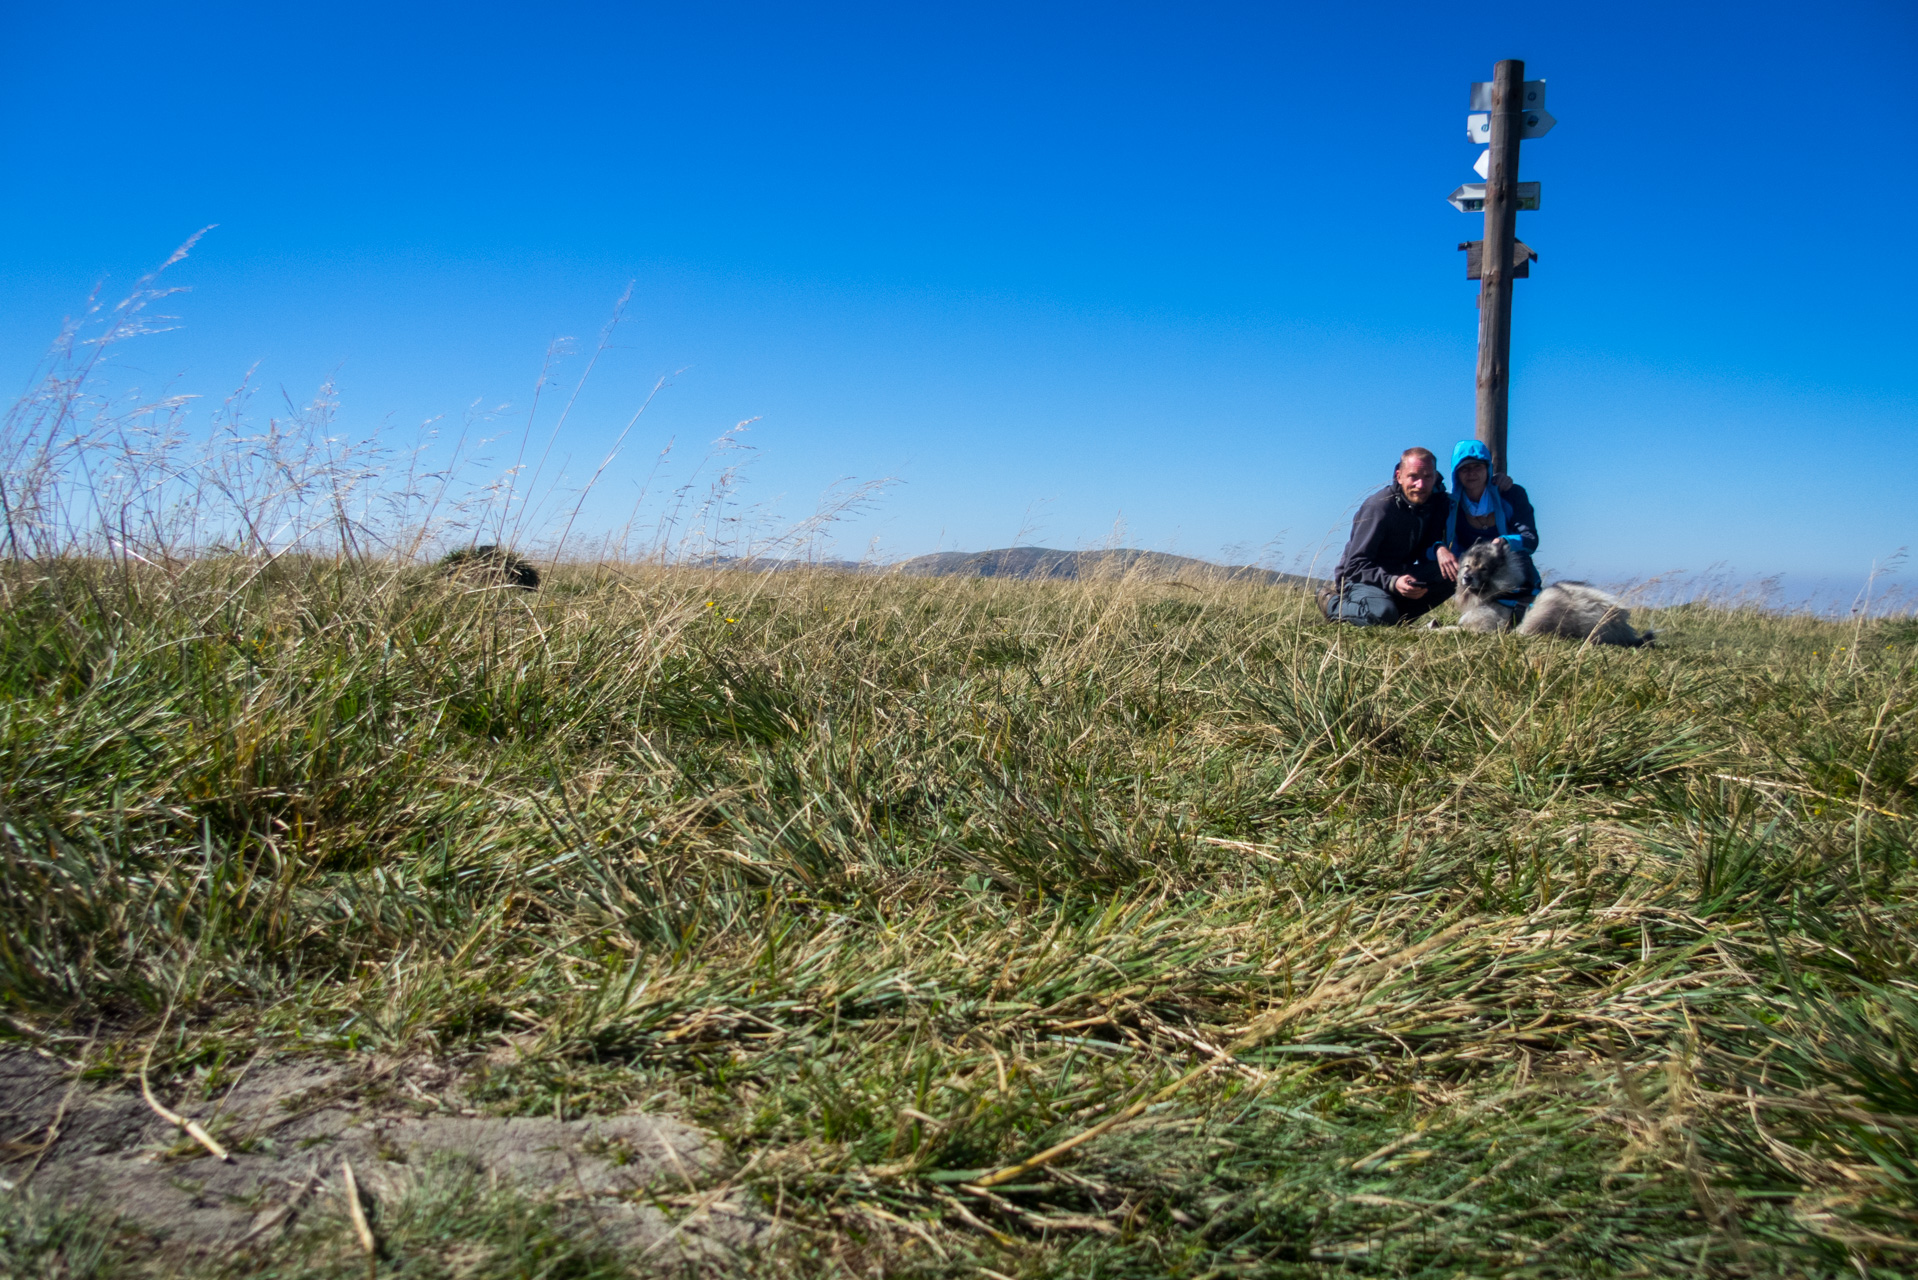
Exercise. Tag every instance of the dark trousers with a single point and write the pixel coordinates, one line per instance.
(1364, 605)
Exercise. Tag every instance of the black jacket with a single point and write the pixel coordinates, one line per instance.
(1519, 519)
(1390, 537)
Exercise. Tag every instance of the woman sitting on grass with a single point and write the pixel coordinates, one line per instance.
(1482, 510)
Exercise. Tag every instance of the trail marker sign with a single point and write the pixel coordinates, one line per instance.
(1523, 256)
(1531, 124)
(1531, 96)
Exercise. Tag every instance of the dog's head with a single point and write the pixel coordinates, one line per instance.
(1490, 569)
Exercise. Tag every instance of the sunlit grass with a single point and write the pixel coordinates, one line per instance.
(894, 882)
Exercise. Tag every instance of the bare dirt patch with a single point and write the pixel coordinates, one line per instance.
(289, 1125)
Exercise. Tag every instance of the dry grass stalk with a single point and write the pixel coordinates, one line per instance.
(190, 1127)
(356, 1214)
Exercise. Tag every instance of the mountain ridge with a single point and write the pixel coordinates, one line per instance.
(1033, 564)
(1049, 564)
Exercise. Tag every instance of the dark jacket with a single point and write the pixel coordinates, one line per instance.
(1512, 509)
(1390, 537)
(1520, 523)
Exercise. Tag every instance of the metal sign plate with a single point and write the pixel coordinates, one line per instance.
(1531, 124)
(1531, 97)
(1483, 165)
(1470, 197)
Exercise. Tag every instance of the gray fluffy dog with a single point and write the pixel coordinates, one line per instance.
(1574, 610)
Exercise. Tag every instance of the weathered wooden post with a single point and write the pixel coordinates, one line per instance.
(1504, 110)
(1495, 270)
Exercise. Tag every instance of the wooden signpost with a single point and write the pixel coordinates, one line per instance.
(1503, 111)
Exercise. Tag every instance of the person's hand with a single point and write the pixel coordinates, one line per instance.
(1408, 586)
(1504, 482)
(1448, 564)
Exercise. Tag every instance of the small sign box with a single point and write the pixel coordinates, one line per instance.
(1470, 197)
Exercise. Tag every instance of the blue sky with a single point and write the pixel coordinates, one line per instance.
(1048, 267)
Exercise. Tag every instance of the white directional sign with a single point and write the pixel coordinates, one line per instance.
(1483, 165)
(1531, 96)
(1531, 124)
(1470, 198)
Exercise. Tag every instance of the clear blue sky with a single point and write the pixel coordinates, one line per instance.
(1047, 265)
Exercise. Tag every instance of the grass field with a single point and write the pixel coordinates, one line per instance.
(1390, 953)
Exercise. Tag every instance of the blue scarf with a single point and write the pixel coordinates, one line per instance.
(1488, 504)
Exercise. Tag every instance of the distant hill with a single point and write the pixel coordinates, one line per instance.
(1030, 564)
(1043, 563)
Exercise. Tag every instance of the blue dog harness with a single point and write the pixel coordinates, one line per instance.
(1520, 601)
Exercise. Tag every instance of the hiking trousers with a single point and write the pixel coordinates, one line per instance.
(1363, 605)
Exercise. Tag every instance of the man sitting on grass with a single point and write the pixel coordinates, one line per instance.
(1385, 576)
